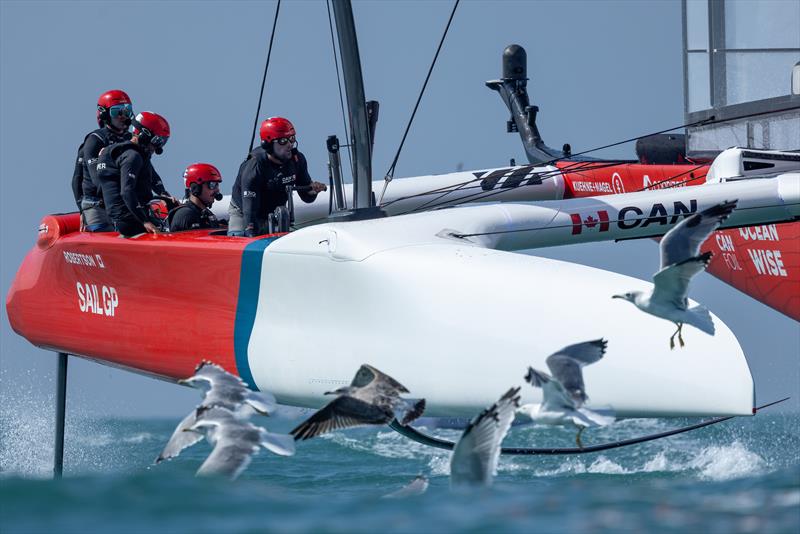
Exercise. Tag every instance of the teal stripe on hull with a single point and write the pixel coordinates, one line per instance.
(247, 305)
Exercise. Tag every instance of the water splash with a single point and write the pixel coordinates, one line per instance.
(727, 462)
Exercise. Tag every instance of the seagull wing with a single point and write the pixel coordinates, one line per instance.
(219, 376)
(281, 444)
(554, 397)
(566, 366)
(261, 401)
(181, 438)
(369, 376)
(235, 442)
(342, 412)
(228, 390)
(477, 452)
(229, 458)
(672, 283)
(684, 240)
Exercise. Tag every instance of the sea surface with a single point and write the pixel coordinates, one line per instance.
(739, 476)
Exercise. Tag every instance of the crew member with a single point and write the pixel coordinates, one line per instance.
(114, 113)
(202, 181)
(128, 177)
(261, 185)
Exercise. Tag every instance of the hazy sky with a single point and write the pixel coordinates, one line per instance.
(600, 72)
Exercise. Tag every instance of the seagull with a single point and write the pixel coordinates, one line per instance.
(372, 398)
(680, 261)
(564, 393)
(475, 456)
(235, 441)
(220, 389)
(418, 486)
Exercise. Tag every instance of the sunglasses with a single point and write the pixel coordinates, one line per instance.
(284, 140)
(126, 110)
(159, 141)
(213, 185)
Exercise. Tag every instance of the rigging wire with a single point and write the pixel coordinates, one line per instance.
(696, 123)
(482, 194)
(554, 174)
(492, 193)
(390, 172)
(339, 82)
(264, 79)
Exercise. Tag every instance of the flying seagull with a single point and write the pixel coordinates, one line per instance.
(235, 441)
(564, 393)
(475, 456)
(372, 398)
(680, 261)
(222, 389)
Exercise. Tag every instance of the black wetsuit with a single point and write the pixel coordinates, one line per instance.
(84, 178)
(189, 217)
(260, 186)
(128, 180)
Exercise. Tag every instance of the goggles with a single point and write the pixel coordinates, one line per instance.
(126, 110)
(212, 185)
(284, 140)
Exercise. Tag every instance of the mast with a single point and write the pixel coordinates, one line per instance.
(360, 145)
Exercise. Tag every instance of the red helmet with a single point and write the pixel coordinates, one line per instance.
(152, 129)
(275, 128)
(200, 173)
(107, 100)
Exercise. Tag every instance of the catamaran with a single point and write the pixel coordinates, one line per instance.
(427, 282)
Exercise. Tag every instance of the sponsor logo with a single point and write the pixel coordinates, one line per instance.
(87, 260)
(514, 177)
(658, 214)
(767, 232)
(768, 262)
(647, 183)
(631, 217)
(592, 187)
(286, 180)
(724, 242)
(97, 301)
(249, 194)
(617, 184)
(101, 166)
(732, 261)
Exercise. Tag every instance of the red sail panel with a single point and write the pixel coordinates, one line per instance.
(587, 179)
(761, 261)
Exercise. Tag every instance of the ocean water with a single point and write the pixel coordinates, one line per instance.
(739, 476)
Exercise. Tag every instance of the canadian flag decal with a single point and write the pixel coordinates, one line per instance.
(579, 222)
